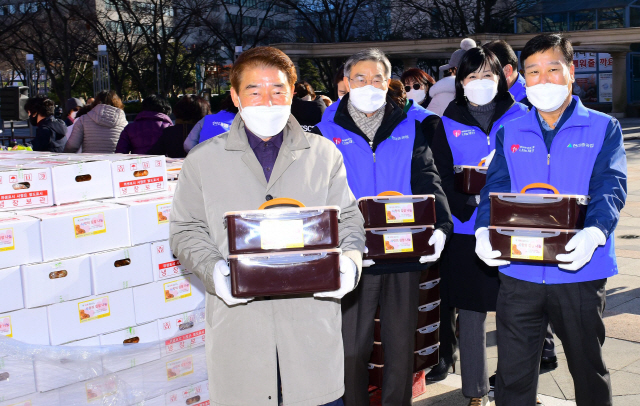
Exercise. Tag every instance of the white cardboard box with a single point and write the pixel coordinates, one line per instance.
(172, 296)
(56, 281)
(182, 332)
(193, 395)
(177, 371)
(82, 228)
(114, 389)
(11, 288)
(37, 399)
(148, 216)
(25, 187)
(137, 174)
(122, 268)
(130, 347)
(165, 264)
(19, 240)
(66, 366)
(172, 185)
(17, 378)
(27, 325)
(90, 316)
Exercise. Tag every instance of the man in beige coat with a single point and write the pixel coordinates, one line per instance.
(251, 345)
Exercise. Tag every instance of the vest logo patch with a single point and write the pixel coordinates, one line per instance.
(463, 133)
(456, 133)
(337, 141)
(515, 148)
(346, 141)
(403, 137)
(582, 145)
(519, 148)
(221, 124)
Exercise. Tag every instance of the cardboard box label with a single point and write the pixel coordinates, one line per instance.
(35, 198)
(169, 269)
(175, 290)
(185, 341)
(94, 309)
(139, 182)
(527, 248)
(6, 239)
(23, 403)
(90, 224)
(399, 212)
(5, 326)
(278, 234)
(163, 210)
(180, 367)
(398, 242)
(99, 390)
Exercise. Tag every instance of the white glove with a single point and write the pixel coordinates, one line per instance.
(348, 272)
(477, 200)
(367, 262)
(438, 238)
(222, 282)
(489, 158)
(484, 250)
(583, 244)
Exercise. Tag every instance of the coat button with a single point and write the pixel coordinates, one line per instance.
(268, 197)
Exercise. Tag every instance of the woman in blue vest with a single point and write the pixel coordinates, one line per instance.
(467, 135)
(212, 124)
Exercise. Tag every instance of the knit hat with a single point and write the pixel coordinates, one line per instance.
(72, 103)
(465, 45)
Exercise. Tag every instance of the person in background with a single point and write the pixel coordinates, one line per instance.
(306, 108)
(509, 62)
(397, 94)
(98, 131)
(72, 106)
(90, 101)
(188, 111)
(283, 345)
(212, 124)
(50, 131)
(139, 136)
(341, 90)
(467, 136)
(577, 151)
(327, 101)
(383, 150)
(444, 91)
(81, 112)
(417, 84)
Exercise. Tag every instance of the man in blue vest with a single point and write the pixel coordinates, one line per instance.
(579, 151)
(509, 62)
(383, 150)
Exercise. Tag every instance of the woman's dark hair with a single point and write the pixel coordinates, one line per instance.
(191, 109)
(545, 42)
(303, 89)
(84, 110)
(227, 104)
(396, 93)
(156, 103)
(474, 59)
(418, 75)
(108, 97)
(337, 78)
(40, 105)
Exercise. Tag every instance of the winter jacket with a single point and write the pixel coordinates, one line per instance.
(171, 142)
(308, 113)
(97, 131)
(138, 137)
(50, 135)
(442, 93)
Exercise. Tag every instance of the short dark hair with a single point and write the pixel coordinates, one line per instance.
(40, 105)
(473, 60)
(84, 110)
(503, 52)
(418, 75)
(156, 103)
(227, 104)
(544, 42)
(337, 78)
(262, 57)
(191, 108)
(303, 89)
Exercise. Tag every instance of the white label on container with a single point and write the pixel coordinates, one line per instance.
(90, 224)
(278, 234)
(163, 210)
(398, 242)
(179, 367)
(5, 326)
(527, 248)
(399, 212)
(94, 309)
(6, 239)
(177, 289)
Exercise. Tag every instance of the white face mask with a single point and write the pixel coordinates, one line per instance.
(481, 91)
(340, 97)
(265, 121)
(416, 95)
(367, 99)
(73, 114)
(547, 97)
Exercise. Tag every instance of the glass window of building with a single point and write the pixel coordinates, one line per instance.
(611, 18)
(582, 20)
(634, 16)
(528, 24)
(554, 22)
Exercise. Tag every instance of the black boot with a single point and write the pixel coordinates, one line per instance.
(549, 363)
(440, 371)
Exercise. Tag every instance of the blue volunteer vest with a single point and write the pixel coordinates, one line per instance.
(567, 166)
(216, 124)
(518, 90)
(469, 144)
(369, 174)
(417, 112)
(330, 111)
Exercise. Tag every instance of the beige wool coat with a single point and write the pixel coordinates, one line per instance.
(304, 333)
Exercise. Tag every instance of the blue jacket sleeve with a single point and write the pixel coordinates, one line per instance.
(498, 180)
(608, 184)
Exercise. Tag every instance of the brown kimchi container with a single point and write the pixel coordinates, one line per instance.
(387, 210)
(427, 336)
(538, 210)
(377, 355)
(377, 331)
(291, 273)
(429, 292)
(398, 244)
(530, 245)
(469, 179)
(282, 229)
(429, 314)
(425, 358)
(431, 273)
(375, 375)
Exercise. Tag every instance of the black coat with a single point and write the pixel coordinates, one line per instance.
(308, 113)
(466, 280)
(50, 134)
(171, 141)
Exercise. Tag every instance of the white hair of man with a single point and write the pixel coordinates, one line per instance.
(369, 54)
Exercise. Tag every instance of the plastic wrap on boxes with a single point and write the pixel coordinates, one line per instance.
(82, 373)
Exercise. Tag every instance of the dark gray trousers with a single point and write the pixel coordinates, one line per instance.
(397, 295)
(473, 353)
(524, 310)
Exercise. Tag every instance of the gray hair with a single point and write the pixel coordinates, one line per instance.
(369, 54)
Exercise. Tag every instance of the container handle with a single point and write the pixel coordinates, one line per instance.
(429, 350)
(280, 201)
(528, 233)
(429, 329)
(530, 199)
(481, 163)
(429, 306)
(412, 230)
(390, 193)
(430, 284)
(540, 186)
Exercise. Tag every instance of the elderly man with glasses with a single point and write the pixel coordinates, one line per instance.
(383, 150)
